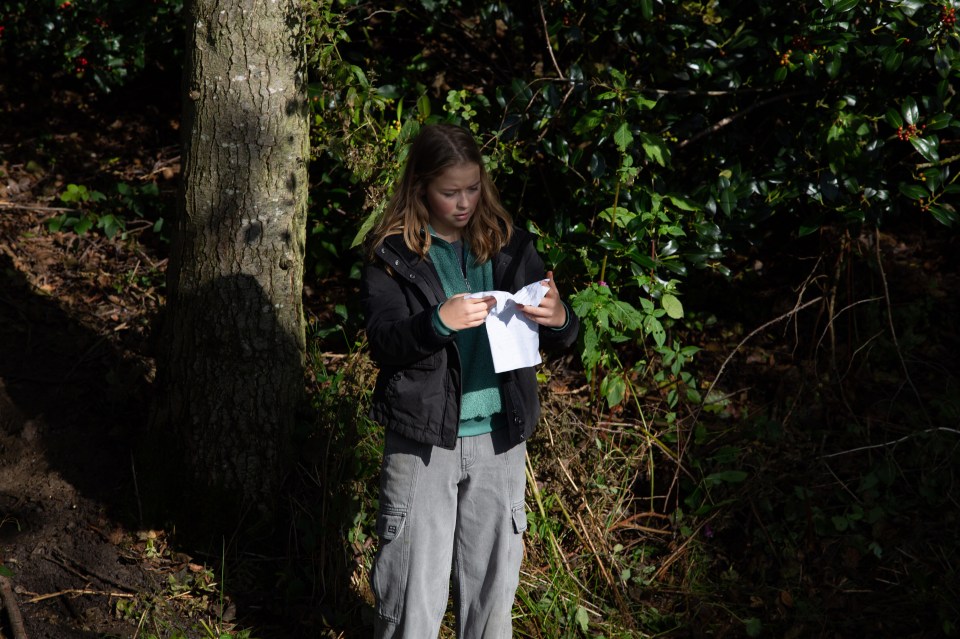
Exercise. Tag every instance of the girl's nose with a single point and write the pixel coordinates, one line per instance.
(462, 201)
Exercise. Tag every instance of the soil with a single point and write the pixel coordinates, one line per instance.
(75, 313)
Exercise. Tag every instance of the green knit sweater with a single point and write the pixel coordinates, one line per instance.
(480, 399)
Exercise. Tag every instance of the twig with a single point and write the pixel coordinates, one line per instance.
(675, 555)
(764, 326)
(34, 207)
(546, 35)
(893, 443)
(893, 331)
(841, 311)
(729, 119)
(77, 592)
(90, 573)
(13, 610)
(928, 165)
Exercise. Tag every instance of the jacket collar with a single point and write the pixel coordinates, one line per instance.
(419, 272)
(410, 267)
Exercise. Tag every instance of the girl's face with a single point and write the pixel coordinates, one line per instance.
(451, 199)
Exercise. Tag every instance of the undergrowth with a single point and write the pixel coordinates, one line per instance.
(812, 495)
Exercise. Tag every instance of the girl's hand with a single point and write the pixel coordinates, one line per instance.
(460, 312)
(551, 311)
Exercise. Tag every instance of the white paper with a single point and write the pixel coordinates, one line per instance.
(514, 338)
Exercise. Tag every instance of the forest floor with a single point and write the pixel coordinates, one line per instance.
(75, 368)
(75, 315)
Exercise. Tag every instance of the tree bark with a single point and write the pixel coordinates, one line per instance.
(230, 366)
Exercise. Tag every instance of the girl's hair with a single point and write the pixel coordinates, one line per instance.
(436, 148)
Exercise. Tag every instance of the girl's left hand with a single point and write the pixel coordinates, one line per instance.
(551, 311)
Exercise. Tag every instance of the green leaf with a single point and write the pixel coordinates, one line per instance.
(927, 147)
(5, 572)
(588, 122)
(914, 191)
(655, 148)
(56, 224)
(728, 200)
(682, 203)
(894, 119)
(944, 213)
(614, 389)
(83, 226)
(366, 226)
(655, 329)
(727, 476)
(623, 137)
(672, 306)
(892, 59)
(910, 110)
(842, 6)
(583, 620)
(753, 626)
(423, 106)
(939, 121)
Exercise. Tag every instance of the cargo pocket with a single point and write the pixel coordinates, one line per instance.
(390, 525)
(519, 512)
(389, 578)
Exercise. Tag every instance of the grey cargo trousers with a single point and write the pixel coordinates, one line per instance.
(449, 513)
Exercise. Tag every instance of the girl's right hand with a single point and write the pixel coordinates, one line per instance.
(460, 312)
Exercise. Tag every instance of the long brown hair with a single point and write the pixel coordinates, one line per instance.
(436, 148)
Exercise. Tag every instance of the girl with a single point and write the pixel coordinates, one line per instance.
(452, 480)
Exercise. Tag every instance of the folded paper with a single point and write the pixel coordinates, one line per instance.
(514, 338)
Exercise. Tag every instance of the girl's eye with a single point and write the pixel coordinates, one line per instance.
(474, 189)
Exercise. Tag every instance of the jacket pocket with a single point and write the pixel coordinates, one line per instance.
(428, 363)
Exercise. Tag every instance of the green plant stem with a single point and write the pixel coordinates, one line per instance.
(554, 544)
(613, 218)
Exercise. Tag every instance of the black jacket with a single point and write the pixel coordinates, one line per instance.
(418, 389)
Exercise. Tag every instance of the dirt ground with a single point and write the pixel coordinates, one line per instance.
(75, 314)
(69, 406)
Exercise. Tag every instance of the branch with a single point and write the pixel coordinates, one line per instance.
(893, 331)
(9, 602)
(729, 119)
(775, 320)
(77, 592)
(893, 443)
(546, 34)
(929, 165)
(34, 207)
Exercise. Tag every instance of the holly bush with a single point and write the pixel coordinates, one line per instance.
(103, 42)
(641, 141)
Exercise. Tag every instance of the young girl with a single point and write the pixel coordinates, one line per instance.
(452, 480)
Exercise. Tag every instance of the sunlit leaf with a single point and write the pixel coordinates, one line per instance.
(909, 110)
(927, 147)
(842, 6)
(623, 137)
(672, 305)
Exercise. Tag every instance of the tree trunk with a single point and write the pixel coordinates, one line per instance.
(230, 367)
